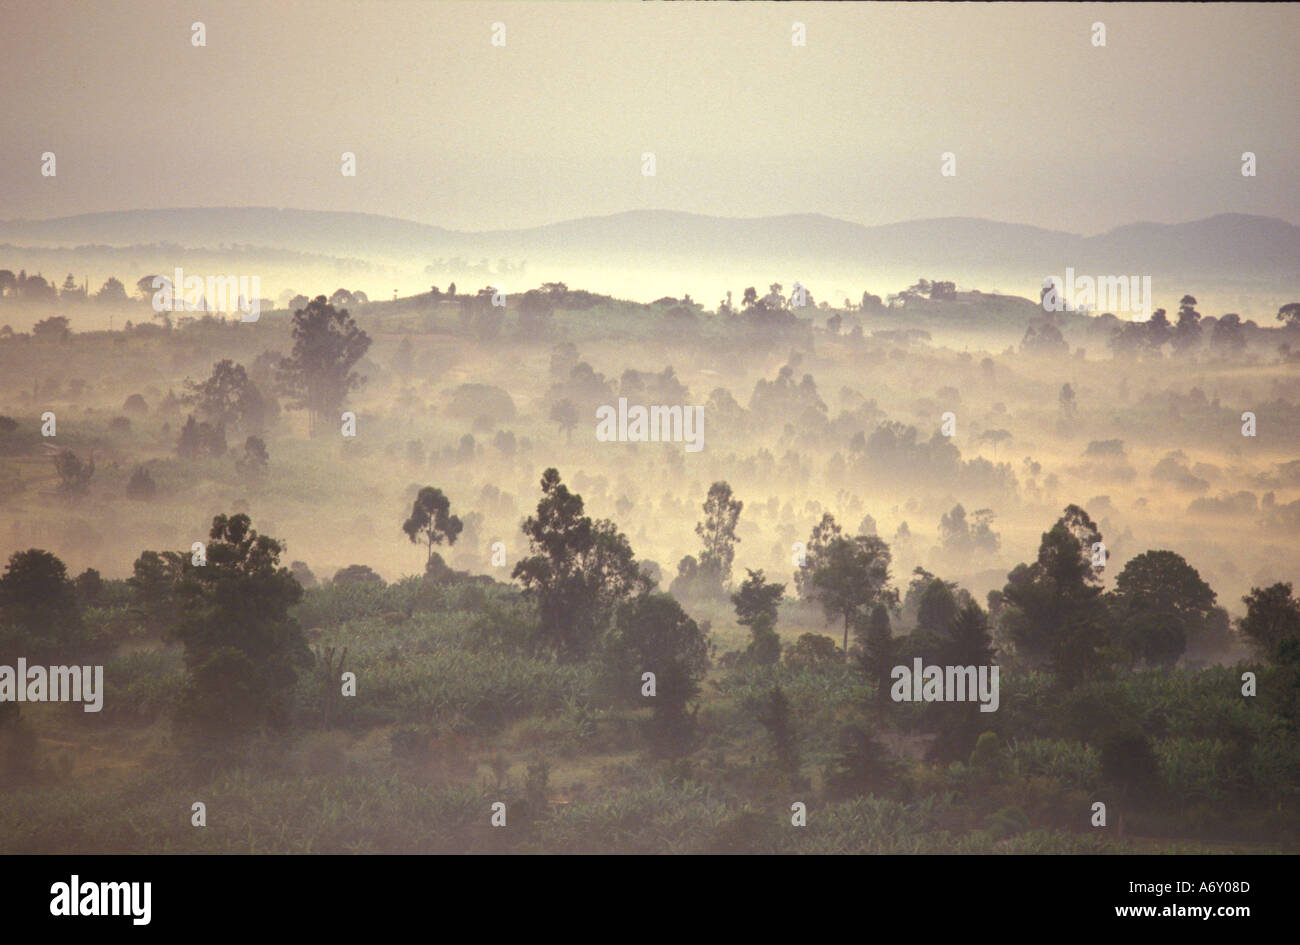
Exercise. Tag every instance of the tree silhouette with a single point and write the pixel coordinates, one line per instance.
(577, 573)
(39, 617)
(242, 648)
(852, 575)
(326, 345)
(1159, 602)
(756, 605)
(431, 521)
(718, 532)
(565, 415)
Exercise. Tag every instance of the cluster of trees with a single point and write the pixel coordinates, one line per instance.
(1053, 613)
(709, 574)
(775, 307)
(243, 650)
(1187, 334)
(593, 601)
(35, 288)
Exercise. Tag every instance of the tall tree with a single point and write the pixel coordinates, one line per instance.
(651, 633)
(431, 521)
(1187, 330)
(111, 292)
(718, 532)
(564, 414)
(1052, 608)
(876, 648)
(74, 475)
(1272, 621)
(823, 533)
(228, 398)
(39, 616)
(1158, 603)
(756, 605)
(853, 575)
(577, 573)
(970, 639)
(327, 344)
(242, 648)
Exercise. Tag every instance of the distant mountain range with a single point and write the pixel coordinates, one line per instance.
(1232, 246)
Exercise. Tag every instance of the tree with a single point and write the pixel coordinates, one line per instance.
(937, 609)
(318, 373)
(89, 587)
(651, 633)
(1044, 338)
(959, 536)
(1052, 608)
(1288, 315)
(39, 617)
(756, 605)
(112, 292)
(1159, 602)
(357, 574)
(56, 327)
(813, 651)
(152, 581)
(201, 440)
(823, 533)
(970, 641)
(1187, 331)
(1159, 331)
(227, 398)
(145, 286)
(35, 288)
(995, 437)
(74, 475)
(1130, 340)
(578, 571)
(431, 521)
(255, 458)
(1272, 621)
(718, 532)
(564, 414)
(1228, 337)
(1067, 402)
(242, 649)
(854, 574)
(876, 648)
(772, 711)
(141, 485)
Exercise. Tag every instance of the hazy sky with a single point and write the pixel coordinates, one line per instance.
(450, 130)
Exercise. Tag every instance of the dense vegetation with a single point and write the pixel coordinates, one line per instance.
(544, 659)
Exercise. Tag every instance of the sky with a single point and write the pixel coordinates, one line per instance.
(448, 129)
